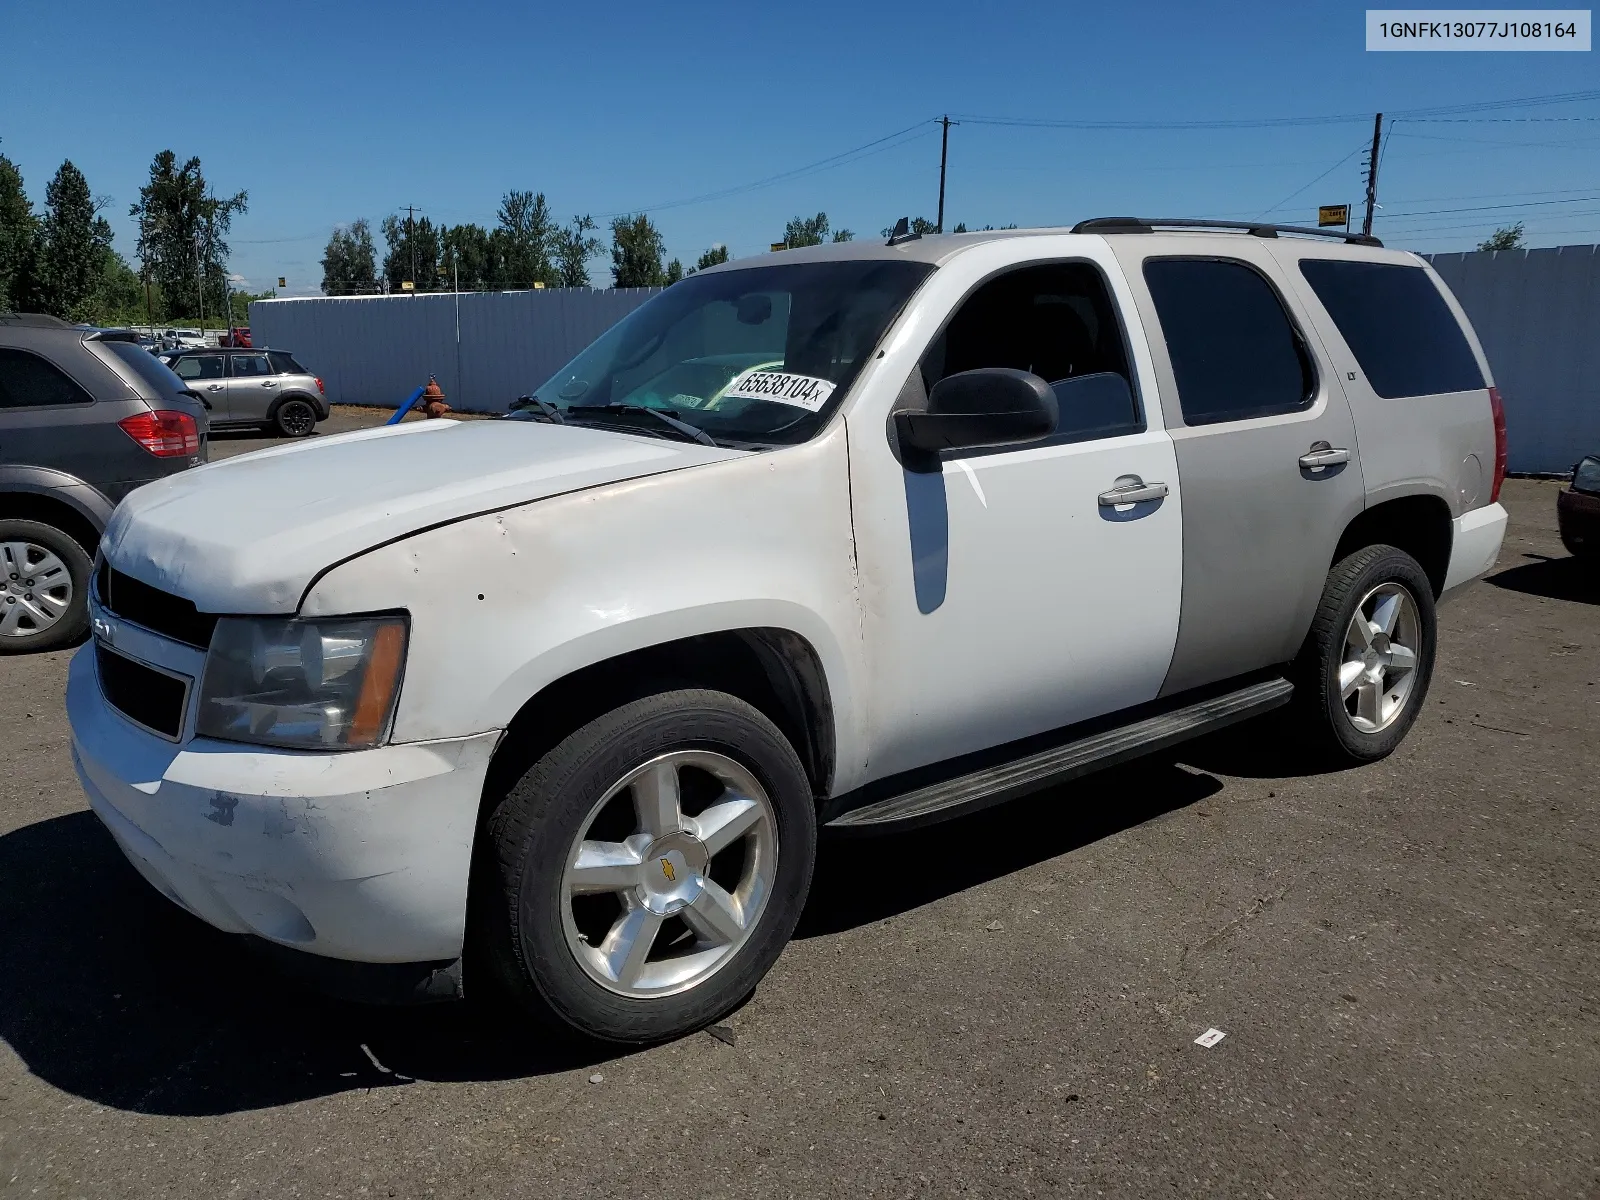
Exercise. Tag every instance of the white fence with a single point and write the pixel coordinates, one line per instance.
(378, 349)
(1537, 313)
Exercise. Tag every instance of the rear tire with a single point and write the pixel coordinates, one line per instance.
(295, 418)
(1364, 671)
(639, 880)
(44, 588)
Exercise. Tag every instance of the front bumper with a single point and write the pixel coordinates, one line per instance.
(362, 856)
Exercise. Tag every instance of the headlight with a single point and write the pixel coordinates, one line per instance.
(305, 685)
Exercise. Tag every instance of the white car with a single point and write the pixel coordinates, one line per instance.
(859, 534)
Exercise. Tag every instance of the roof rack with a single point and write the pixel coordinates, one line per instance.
(33, 320)
(1254, 228)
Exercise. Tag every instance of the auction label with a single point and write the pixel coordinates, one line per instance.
(802, 391)
(1478, 29)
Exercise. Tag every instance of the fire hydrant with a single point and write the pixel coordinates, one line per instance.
(432, 403)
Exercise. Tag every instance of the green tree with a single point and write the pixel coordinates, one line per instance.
(674, 272)
(1507, 238)
(183, 229)
(19, 243)
(711, 258)
(527, 229)
(413, 252)
(118, 297)
(74, 242)
(806, 231)
(571, 250)
(350, 262)
(467, 254)
(636, 250)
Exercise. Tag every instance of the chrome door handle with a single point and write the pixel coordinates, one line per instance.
(1323, 455)
(1132, 493)
(213, 387)
(268, 383)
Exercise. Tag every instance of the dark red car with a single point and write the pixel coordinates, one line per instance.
(1578, 510)
(237, 337)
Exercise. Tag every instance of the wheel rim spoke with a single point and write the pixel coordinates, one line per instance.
(656, 800)
(1369, 703)
(627, 946)
(1401, 659)
(723, 824)
(714, 915)
(605, 867)
(1360, 632)
(11, 618)
(1350, 678)
(1387, 612)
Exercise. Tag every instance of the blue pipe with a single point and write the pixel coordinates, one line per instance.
(405, 408)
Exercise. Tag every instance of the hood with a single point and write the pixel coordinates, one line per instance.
(248, 534)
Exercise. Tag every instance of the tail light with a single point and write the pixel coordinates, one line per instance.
(164, 433)
(320, 388)
(1499, 411)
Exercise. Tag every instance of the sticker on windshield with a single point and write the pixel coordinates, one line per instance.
(802, 391)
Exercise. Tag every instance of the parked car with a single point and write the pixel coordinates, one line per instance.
(181, 339)
(85, 417)
(573, 690)
(1578, 510)
(239, 337)
(265, 388)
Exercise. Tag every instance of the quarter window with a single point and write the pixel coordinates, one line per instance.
(1398, 326)
(1057, 321)
(28, 381)
(1235, 354)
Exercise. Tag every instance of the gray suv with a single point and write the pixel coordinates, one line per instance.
(85, 417)
(258, 388)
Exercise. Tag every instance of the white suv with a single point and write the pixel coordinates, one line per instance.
(860, 534)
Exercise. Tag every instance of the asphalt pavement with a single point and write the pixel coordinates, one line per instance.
(1403, 958)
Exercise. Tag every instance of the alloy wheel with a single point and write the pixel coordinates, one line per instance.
(669, 874)
(296, 418)
(1382, 645)
(38, 589)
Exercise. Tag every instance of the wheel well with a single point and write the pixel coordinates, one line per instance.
(47, 510)
(774, 670)
(1419, 525)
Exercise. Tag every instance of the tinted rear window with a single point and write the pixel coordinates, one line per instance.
(284, 364)
(28, 381)
(1397, 325)
(150, 370)
(1234, 353)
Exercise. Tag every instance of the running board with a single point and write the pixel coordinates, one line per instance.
(980, 789)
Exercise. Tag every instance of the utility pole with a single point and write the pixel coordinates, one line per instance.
(1372, 176)
(411, 240)
(944, 154)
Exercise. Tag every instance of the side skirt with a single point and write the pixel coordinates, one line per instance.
(1006, 781)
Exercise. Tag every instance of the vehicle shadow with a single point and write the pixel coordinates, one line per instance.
(865, 877)
(113, 994)
(1565, 578)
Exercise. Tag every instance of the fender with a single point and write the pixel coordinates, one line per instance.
(83, 498)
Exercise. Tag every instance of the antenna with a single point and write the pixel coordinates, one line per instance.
(902, 232)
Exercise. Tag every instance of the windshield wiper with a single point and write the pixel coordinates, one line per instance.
(550, 411)
(681, 427)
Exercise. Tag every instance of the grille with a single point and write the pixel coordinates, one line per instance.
(143, 694)
(158, 611)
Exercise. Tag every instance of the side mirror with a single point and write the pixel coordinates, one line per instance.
(992, 406)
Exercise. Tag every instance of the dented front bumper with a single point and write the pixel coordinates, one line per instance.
(362, 856)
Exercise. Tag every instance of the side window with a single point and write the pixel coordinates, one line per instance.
(199, 366)
(28, 381)
(283, 363)
(1235, 353)
(1397, 325)
(250, 366)
(1057, 321)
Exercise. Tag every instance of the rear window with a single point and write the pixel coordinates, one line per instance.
(28, 381)
(149, 369)
(283, 363)
(1398, 326)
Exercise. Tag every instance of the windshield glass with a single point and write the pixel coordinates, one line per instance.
(758, 355)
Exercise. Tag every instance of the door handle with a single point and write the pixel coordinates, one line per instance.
(1132, 492)
(213, 387)
(1323, 455)
(268, 383)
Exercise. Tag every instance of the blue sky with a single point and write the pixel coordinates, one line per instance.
(327, 113)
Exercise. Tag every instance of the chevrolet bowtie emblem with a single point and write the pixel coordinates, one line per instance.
(666, 869)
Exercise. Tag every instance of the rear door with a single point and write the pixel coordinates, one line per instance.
(206, 374)
(1265, 445)
(252, 388)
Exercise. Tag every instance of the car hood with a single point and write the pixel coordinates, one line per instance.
(249, 534)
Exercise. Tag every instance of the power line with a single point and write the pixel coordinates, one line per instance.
(1317, 180)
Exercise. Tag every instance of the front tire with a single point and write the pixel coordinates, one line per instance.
(1364, 671)
(647, 872)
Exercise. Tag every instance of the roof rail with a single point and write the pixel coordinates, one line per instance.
(1254, 228)
(33, 320)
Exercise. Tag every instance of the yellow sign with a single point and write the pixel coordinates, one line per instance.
(780, 246)
(282, 282)
(407, 286)
(1333, 214)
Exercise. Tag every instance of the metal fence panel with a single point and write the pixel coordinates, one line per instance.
(378, 349)
(1537, 313)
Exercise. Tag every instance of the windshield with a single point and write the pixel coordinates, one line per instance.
(761, 355)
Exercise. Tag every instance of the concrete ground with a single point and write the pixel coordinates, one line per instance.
(1404, 959)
